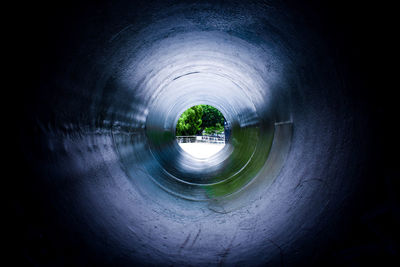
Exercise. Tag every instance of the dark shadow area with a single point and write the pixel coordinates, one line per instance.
(83, 156)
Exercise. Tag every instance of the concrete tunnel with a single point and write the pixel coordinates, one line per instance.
(301, 181)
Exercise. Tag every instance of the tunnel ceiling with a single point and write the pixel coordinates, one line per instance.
(104, 181)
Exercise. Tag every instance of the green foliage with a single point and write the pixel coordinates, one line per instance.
(217, 129)
(198, 118)
(190, 121)
(211, 117)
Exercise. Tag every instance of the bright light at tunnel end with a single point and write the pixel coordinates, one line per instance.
(202, 131)
(109, 181)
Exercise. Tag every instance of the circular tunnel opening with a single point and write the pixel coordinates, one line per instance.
(201, 131)
(100, 135)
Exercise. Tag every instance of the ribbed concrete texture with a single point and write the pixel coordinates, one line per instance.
(305, 178)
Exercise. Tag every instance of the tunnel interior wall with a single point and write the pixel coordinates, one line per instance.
(104, 182)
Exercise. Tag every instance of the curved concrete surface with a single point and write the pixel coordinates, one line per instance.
(107, 182)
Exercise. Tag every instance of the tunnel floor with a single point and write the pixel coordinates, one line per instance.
(308, 176)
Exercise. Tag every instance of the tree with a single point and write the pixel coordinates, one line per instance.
(190, 121)
(217, 129)
(212, 119)
(200, 118)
